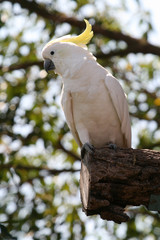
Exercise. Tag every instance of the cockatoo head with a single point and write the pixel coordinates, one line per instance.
(66, 54)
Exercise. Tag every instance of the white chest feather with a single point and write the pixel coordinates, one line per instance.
(94, 112)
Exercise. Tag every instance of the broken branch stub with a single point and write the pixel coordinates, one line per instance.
(111, 180)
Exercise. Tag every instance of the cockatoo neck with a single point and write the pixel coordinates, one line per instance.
(75, 68)
(70, 59)
(83, 74)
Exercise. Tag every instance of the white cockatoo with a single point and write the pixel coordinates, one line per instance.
(93, 101)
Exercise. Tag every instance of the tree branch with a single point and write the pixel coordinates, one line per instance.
(18, 66)
(110, 180)
(130, 49)
(140, 45)
(70, 153)
(33, 168)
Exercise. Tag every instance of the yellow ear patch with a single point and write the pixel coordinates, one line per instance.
(82, 39)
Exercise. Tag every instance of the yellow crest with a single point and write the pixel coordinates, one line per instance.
(82, 39)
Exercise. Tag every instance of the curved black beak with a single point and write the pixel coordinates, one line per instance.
(48, 65)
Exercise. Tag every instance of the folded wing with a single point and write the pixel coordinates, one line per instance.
(120, 104)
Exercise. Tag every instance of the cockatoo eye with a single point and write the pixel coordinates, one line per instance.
(52, 52)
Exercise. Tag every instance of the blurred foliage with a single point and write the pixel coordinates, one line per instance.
(39, 160)
(4, 235)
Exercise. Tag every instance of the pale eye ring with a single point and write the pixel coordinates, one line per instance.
(52, 52)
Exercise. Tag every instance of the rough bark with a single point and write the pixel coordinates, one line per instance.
(110, 180)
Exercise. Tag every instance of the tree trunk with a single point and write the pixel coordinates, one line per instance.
(110, 180)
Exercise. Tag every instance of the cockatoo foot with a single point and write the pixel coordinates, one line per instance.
(113, 146)
(87, 147)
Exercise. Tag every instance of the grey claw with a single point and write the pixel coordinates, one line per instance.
(87, 147)
(113, 146)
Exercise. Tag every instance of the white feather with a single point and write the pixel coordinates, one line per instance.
(120, 103)
(93, 101)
